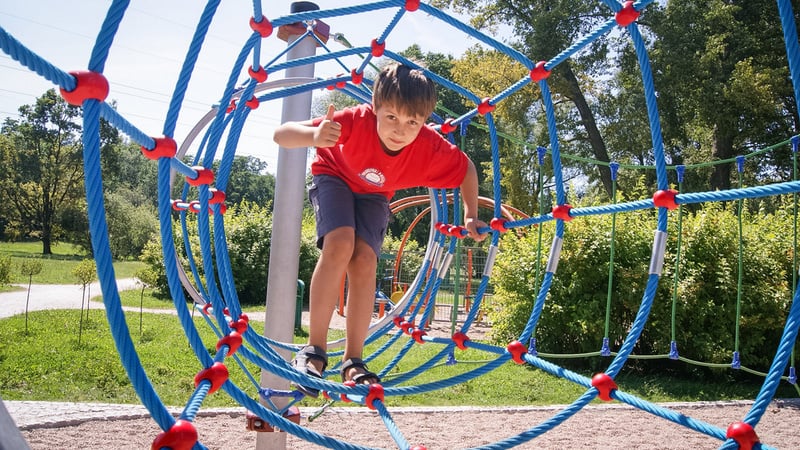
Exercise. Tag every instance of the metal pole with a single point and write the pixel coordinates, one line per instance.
(287, 220)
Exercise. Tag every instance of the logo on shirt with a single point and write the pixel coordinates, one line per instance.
(373, 176)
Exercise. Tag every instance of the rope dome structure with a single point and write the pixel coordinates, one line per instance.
(215, 295)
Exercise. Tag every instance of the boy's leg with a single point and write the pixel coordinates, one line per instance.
(337, 249)
(334, 208)
(360, 297)
(372, 218)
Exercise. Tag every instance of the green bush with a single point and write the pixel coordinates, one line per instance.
(573, 316)
(5, 270)
(248, 231)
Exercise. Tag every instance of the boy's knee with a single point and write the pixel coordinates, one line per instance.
(363, 261)
(340, 241)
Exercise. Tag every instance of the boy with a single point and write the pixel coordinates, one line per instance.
(364, 154)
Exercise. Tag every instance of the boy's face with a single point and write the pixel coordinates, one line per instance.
(396, 129)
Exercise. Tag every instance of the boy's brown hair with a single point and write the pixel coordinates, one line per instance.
(406, 89)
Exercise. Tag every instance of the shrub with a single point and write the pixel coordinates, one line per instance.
(573, 315)
(5, 270)
(248, 231)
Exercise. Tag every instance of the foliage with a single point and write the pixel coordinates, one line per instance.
(43, 168)
(30, 267)
(5, 270)
(410, 262)
(248, 231)
(249, 180)
(572, 318)
(85, 271)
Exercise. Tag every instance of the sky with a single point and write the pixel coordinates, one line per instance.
(150, 46)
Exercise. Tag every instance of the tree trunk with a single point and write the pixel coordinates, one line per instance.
(722, 148)
(595, 139)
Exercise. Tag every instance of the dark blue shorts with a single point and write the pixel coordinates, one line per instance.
(335, 205)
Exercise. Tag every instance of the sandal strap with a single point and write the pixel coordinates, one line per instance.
(311, 352)
(357, 363)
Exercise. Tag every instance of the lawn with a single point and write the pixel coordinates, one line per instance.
(56, 362)
(56, 268)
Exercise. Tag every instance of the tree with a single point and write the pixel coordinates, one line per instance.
(544, 28)
(721, 68)
(85, 272)
(29, 267)
(249, 181)
(43, 169)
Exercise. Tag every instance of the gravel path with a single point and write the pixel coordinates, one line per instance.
(53, 296)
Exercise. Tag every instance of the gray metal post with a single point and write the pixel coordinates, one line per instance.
(287, 220)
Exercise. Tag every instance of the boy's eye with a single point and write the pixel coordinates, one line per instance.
(413, 123)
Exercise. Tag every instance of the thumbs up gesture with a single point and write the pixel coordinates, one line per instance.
(328, 131)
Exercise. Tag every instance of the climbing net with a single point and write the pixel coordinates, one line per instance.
(216, 296)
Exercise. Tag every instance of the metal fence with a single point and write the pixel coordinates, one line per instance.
(457, 290)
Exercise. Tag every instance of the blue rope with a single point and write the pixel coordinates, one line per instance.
(216, 260)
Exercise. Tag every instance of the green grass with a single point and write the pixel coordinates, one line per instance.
(136, 298)
(49, 363)
(56, 268)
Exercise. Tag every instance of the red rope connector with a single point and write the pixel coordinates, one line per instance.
(485, 107)
(562, 212)
(498, 224)
(264, 28)
(259, 75)
(457, 231)
(239, 325)
(356, 77)
(418, 334)
(233, 340)
(375, 394)
(626, 15)
(176, 206)
(441, 227)
(539, 73)
(419, 447)
(88, 85)
(349, 383)
(407, 327)
(447, 127)
(460, 339)
(204, 176)
(217, 196)
(412, 5)
(165, 147)
(744, 435)
(252, 103)
(206, 307)
(182, 435)
(378, 49)
(604, 385)
(217, 374)
(517, 350)
(398, 321)
(665, 199)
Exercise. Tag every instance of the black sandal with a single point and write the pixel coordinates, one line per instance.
(301, 364)
(359, 378)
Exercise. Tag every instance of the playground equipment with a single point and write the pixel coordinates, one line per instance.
(89, 88)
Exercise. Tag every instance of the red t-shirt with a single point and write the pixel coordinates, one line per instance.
(358, 157)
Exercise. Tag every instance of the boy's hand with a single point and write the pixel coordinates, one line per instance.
(472, 224)
(328, 131)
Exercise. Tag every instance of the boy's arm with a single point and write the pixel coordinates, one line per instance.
(469, 195)
(304, 134)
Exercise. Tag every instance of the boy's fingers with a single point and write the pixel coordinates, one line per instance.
(331, 110)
